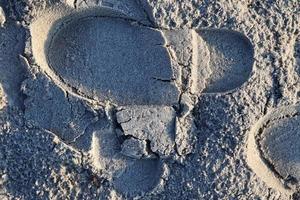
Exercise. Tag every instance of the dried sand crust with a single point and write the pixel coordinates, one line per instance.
(134, 103)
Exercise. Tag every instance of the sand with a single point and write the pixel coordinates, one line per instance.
(141, 99)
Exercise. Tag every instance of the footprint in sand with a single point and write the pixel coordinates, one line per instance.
(145, 80)
(273, 149)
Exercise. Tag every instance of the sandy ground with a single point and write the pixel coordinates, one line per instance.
(145, 99)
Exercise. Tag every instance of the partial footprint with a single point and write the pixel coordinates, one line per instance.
(142, 175)
(113, 59)
(129, 174)
(273, 149)
(231, 59)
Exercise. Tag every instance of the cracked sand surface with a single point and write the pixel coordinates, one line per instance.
(108, 59)
(210, 128)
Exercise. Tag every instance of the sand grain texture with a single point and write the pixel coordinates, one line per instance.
(144, 99)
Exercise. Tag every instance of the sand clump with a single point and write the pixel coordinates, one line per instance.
(2, 17)
(3, 100)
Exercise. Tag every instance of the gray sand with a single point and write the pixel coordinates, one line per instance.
(111, 99)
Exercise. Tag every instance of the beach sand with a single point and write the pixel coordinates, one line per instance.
(144, 99)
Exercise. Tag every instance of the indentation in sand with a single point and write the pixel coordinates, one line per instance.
(273, 149)
(142, 175)
(114, 59)
(130, 176)
(231, 59)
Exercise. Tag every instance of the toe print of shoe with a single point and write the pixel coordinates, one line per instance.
(143, 80)
(273, 149)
